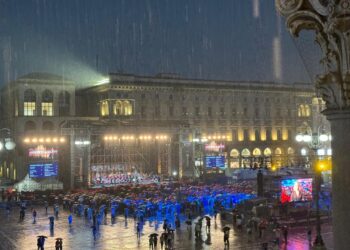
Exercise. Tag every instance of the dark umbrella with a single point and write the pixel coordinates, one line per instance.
(226, 228)
(59, 239)
(41, 236)
(207, 217)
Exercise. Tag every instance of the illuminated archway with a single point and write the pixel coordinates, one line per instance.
(290, 151)
(267, 152)
(256, 152)
(278, 151)
(245, 152)
(234, 153)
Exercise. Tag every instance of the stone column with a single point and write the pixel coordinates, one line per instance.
(340, 127)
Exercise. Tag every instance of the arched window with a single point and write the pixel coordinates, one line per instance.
(234, 153)
(47, 103)
(267, 152)
(300, 110)
(245, 152)
(304, 110)
(118, 108)
(256, 152)
(63, 103)
(278, 151)
(127, 108)
(29, 103)
(122, 107)
(29, 126)
(47, 125)
(290, 151)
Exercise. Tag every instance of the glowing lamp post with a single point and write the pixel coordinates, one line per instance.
(7, 143)
(315, 141)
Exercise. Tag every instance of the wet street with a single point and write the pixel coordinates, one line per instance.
(122, 234)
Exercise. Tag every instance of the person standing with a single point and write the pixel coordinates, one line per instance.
(138, 229)
(46, 204)
(41, 242)
(285, 234)
(226, 238)
(70, 220)
(162, 240)
(94, 231)
(309, 233)
(58, 244)
(34, 216)
(52, 222)
(208, 224)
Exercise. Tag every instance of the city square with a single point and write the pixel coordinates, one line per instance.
(174, 124)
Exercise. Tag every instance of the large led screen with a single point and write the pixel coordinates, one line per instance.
(42, 170)
(215, 161)
(294, 190)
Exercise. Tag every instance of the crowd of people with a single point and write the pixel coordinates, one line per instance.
(117, 178)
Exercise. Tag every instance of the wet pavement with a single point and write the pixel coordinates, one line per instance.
(122, 234)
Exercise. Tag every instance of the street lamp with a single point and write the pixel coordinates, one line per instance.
(316, 141)
(7, 142)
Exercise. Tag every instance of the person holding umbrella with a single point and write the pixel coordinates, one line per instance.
(41, 242)
(163, 239)
(58, 244)
(226, 235)
(208, 223)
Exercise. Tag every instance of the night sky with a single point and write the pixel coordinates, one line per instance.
(209, 39)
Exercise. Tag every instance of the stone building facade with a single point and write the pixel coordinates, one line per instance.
(163, 124)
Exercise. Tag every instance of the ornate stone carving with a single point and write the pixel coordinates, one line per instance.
(330, 19)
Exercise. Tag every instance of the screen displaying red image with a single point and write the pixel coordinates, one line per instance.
(294, 190)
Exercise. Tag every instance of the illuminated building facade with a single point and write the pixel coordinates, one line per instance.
(163, 124)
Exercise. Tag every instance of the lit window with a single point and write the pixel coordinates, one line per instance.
(104, 109)
(46, 109)
(123, 107)
(29, 109)
(304, 111)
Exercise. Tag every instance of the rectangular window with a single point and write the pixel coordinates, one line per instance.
(29, 109)
(245, 112)
(184, 111)
(234, 112)
(257, 112)
(222, 112)
(197, 111)
(104, 108)
(157, 111)
(171, 111)
(246, 134)
(46, 109)
(143, 111)
(278, 113)
(210, 113)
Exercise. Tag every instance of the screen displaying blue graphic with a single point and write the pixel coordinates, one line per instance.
(215, 161)
(41, 170)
